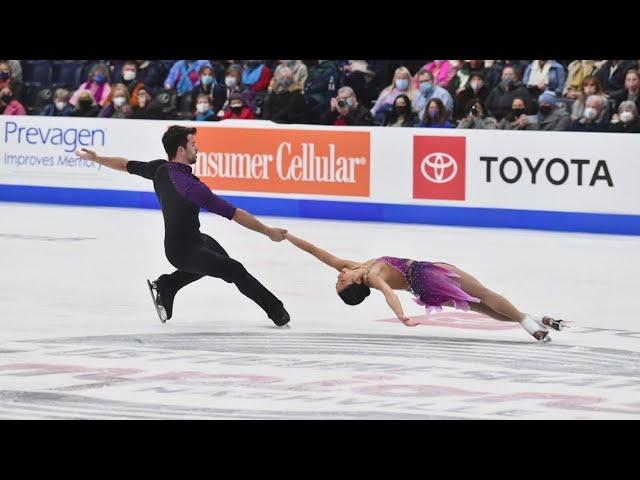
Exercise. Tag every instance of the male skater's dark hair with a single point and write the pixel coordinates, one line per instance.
(174, 137)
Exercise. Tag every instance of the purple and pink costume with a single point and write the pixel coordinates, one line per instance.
(432, 284)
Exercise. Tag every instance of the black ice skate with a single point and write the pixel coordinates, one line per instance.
(157, 301)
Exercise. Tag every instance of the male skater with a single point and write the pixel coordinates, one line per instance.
(181, 195)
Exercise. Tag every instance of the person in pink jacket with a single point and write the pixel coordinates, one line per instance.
(443, 71)
(9, 105)
(97, 84)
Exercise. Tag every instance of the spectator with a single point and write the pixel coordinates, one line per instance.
(476, 116)
(206, 86)
(97, 85)
(256, 76)
(550, 118)
(500, 100)
(612, 75)
(145, 107)
(150, 74)
(9, 105)
(204, 110)
(360, 76)
(285, 104)
(118, 105)
(461, 79)
(401, 115)
(443, 71)
(475, 89)
(401, 84)
(516, 118)
(435, 115)
(594, 118)
(576, 72)
(86, 105)
(7, 79)
(590, 86)
(631, 89)
(345, 110)
(232, 84)
(493, 70)
(16, 70)
(541, 75)
(60, 106)
(626, 120)
(428, 91)
(299, 69)
(128, 75)
(238, 109)
(320, 88)
(184, 75)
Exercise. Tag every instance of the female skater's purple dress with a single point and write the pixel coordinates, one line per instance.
(432, 284)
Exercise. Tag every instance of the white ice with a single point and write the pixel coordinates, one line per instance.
(79, 337)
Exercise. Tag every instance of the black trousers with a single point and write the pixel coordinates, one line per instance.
(210, 259)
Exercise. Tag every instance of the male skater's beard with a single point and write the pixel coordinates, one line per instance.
(193, 159)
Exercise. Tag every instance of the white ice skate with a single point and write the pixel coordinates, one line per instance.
(546, 321)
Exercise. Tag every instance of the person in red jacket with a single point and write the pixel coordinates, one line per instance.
(237, 109)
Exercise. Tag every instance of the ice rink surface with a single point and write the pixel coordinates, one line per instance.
(79, 337)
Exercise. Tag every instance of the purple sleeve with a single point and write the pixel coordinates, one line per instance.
(197, 192)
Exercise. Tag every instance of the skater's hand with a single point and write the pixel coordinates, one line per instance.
(86, 154)
(409, 322)
(277, 234)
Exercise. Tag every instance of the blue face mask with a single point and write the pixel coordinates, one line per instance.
(4, 75)
(402, 84)
(206, 79)
(426, 87)
(98, 78)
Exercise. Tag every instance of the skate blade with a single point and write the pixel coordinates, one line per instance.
(545, 339)
(162, 313)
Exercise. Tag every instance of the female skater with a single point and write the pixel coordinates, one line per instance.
(434, 285)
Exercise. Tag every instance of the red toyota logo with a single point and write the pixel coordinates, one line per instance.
(439, 167)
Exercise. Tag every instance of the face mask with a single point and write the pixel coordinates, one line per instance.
(4, 75)
(589, 91)
(98, 78)
(426, 87)
(626, 116)
(402, 110)
(402, 83)
(476, 85)
(60, 105)
(206, 79)
(433, 114)
(119, 101)
(518, 111)
(292, 63)
(545, 109)
(230, 81)
(7, 98)
(236, 108)
(285, 82)
(507, 81)
(202, 107)
(129, 75)
(590, 113)
(84, 104)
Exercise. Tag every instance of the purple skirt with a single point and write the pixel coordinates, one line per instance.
(435, 286)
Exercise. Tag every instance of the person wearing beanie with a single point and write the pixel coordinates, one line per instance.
(550, 116)
(237, 109)
(476, 88)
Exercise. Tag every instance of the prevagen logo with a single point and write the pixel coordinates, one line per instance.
(70, 138)
(439, 167)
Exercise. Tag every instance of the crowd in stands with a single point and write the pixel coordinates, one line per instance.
(558, 95)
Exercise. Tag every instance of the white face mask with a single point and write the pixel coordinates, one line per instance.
(590, 113)
(119, 101)
(230, 81)
(476, 85)
(60, 105)
(129, 75)
(626, 116)
(202, 107)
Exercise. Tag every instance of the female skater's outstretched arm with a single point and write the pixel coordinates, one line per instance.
(392, 299)
(322, 255)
